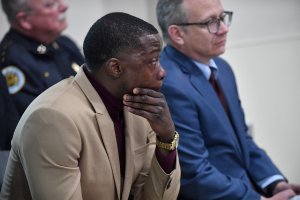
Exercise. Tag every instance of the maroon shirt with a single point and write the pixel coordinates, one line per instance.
(114, 107)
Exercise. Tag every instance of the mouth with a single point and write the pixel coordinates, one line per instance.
(221, 43)
(62, 17)
(159, 86)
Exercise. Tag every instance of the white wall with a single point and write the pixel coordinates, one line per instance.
(263, 48)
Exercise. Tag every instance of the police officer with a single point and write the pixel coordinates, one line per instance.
(34, 55)
(8, 115)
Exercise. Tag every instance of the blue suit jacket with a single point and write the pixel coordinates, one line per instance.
(219, 160)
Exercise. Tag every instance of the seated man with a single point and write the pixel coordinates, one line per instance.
(218, 159)
(106, 133)
(8, 115)
(34, 55)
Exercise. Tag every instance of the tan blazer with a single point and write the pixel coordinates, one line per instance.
(64, 148)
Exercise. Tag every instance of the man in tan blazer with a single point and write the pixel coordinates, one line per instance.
(104, 134)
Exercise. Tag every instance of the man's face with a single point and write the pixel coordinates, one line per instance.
(141, 67)
(199, 43)
(47, 17)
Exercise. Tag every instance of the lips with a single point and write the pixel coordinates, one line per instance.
(221, 43)
(62, 17)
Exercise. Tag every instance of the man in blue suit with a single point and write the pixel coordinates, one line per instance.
(219, 160)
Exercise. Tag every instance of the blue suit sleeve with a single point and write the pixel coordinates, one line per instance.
(200, 179)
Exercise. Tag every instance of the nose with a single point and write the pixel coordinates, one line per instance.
(223, 28)
(63, 7)
(162, 73)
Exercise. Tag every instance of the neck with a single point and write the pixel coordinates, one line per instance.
(100, 77)
(43, 38)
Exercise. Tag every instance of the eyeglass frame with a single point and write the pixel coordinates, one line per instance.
(206, 24)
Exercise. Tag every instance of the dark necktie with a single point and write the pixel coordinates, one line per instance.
(218, 90)
(222, 99)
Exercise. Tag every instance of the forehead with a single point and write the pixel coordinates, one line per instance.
(203, 8)
(151, 43)
(39, 2)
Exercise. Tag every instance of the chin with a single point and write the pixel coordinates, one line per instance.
(157, 88)
(220, 51)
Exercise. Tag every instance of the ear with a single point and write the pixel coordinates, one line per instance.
(176, 34)
(113, 67)
(23, 20)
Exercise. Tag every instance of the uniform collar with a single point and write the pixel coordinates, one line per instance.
(33, 45)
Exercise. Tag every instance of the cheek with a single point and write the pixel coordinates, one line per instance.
(51, 16)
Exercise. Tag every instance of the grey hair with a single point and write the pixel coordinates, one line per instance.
(169, 12)
(12, 7)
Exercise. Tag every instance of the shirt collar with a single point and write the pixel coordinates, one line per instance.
(113, 105)
(206, 68)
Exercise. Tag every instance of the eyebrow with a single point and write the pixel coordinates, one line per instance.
(213, 16)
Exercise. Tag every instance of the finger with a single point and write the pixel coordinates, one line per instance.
(147, 92)
(144, 99)
(155, 109)
(151, 116)
(286, 194)
(296, 188)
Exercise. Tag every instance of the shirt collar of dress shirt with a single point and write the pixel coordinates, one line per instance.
(206, 68)
(113, 105)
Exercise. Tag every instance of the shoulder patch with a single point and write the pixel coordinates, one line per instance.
(15, 78)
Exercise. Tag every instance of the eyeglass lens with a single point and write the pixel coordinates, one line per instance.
(214, 26)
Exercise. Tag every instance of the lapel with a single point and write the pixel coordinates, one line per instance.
(230, 100)
(129, 144)
(205, 89)
(233, 105)
(105, 124)
(198, 81)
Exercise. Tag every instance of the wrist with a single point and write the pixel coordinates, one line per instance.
(271, 189)
(168, 144)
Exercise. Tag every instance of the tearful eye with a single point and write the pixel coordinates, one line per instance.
(154, 61)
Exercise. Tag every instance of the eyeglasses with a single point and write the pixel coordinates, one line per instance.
(213, 25)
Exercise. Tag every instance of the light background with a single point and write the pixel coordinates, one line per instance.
(264, 50)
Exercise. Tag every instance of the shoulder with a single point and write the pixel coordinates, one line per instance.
(223, 65)
(10, 47)
(69, 47)
(15, 49)
(67, 42)
(221, 61)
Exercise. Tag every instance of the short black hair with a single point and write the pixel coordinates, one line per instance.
(111, 34)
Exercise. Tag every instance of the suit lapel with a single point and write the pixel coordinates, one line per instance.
(231, 102)
(207, 92)
(202, 85)
(198, 80)
(106, 127)
(107, 133)
(129, 169)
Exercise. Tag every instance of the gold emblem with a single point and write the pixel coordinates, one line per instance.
(15, 79)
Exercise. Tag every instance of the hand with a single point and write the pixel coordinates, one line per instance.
(282, 195)
(152, 105)
(295, 188)
(281, 186)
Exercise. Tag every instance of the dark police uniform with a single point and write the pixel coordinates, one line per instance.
(8, 116)
(31, 67)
